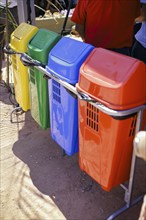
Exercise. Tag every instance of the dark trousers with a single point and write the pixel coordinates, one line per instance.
(139, 52)
(124, 50)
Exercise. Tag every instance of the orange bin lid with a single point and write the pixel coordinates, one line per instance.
(117, 81)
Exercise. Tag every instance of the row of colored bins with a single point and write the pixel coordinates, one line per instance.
(105, 143)
(31, 88)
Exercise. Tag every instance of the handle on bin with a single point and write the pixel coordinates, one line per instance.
(8, 50)
(85, 97)
(124, 117)
(27, 61)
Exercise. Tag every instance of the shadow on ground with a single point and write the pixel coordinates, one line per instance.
(61, 179)
(39, 174)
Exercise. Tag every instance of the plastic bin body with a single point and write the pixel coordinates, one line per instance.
(64, 117)
(105, 142)
(65, 60)
(18, 42)
(39, 48)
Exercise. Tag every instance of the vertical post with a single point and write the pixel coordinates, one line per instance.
(129, 189)
(128, 192)
(7, 42)
(66, 17)
(26, 11)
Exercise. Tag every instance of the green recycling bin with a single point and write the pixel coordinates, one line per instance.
(38, 49)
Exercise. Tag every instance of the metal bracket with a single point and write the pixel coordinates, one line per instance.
(137, 110)
(17, 110)
(129, 189)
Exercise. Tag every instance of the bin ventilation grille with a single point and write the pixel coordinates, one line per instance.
(32, 75)
(92, 117)
(133, 125)
(56, 91)
(14, 62)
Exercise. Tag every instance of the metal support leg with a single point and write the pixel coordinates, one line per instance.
(63, 153)
(129, 189)
(125, 208)
(14, 110)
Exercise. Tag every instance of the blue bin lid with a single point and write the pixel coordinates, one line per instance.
(66, 58)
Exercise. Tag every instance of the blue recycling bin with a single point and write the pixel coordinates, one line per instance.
(64, 62)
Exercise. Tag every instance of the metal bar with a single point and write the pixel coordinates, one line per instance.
(66, 17)
(124, 208)
(63, 83)
(124, 187)
(14, 110)
(98, 105)
(119, 113)
(73, 89)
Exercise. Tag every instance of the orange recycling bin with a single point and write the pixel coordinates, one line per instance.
(106, 142)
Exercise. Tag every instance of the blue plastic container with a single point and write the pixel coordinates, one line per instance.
(65, 60)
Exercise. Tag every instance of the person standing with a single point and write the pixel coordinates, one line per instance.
(107, 24)
(139, 47)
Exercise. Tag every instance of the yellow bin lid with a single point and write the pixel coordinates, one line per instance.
(21, 36)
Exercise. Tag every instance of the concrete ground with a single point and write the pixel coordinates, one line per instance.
(38, 183)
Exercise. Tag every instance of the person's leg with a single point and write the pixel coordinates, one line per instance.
(139, 52)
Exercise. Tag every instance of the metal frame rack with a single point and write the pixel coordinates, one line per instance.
(138, 110)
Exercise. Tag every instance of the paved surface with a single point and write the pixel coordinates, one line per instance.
(37, 182)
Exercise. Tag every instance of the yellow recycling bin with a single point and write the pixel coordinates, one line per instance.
(18, 43)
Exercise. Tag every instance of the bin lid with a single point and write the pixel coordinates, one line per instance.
(21, 36)
(66, 58)
(118, 81)
(41, 44)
